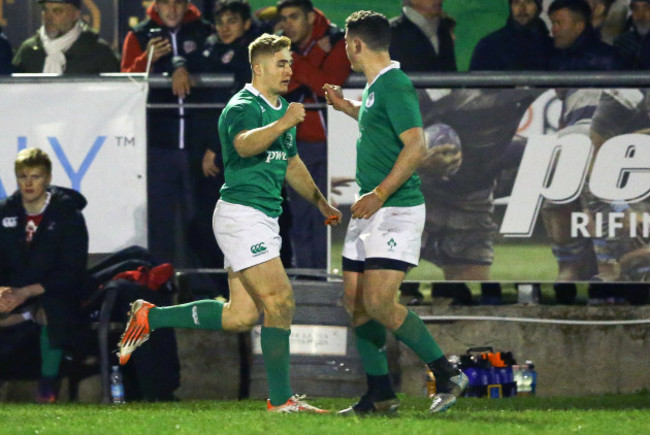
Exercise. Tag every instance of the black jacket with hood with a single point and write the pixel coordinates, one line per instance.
(56, 258)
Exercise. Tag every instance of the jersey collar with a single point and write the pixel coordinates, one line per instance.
(393, 65)
(250, 88)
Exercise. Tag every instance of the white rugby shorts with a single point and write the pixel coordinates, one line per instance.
(392, 232)
(247, 237)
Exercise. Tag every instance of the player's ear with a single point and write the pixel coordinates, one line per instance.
(257, 69)
(356, 44)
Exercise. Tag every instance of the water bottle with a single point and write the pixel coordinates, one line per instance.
(117, 386)
(533, 377)
(526, 378)
(430, 382)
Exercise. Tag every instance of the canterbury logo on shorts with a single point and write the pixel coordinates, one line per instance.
(258, 249)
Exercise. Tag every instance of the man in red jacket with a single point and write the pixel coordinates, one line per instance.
(173, 30)
(318, 49)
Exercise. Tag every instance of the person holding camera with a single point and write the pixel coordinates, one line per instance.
(174, 28)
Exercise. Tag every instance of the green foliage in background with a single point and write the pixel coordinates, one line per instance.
(475, 18)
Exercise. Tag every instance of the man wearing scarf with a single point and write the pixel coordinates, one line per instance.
(523, 44)
(64, 44)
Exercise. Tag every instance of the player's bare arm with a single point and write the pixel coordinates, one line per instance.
(301, 181)
(334, 97)
(252, 142)
(407, 162)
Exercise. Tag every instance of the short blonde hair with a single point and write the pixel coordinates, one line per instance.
(267, 45)
(33, 158)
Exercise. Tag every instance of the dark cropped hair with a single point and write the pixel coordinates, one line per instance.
(371, 27)
(305, 5)
(577, 7)
(239, 7)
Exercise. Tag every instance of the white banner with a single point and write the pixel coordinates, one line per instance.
(95, 134)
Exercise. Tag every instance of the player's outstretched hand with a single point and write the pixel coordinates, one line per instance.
(366, 206)
(332, 214)
(334, 96)
(294, 115)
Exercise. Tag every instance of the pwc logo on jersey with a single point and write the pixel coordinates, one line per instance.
(275, 155)
(258, 249)
(370, 100)
(556, 169)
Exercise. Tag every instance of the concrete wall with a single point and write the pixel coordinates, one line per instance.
(570, 360)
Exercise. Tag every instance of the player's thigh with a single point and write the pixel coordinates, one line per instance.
(267, 281)
(241, 311)
(381, 287)
(353, 292)
(246, 236)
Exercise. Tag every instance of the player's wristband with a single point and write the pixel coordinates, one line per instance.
(381, 194)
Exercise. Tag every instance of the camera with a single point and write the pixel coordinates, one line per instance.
(156, 32)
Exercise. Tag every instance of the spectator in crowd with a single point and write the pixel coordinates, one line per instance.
(318, 51)
(599, 12)
(5, 55)
(64, 44)
(634, 44)
(173, 28)
(225, 52)
(43, 254)
(422, 40)
(422, 37)
(577, 46)
(522, 44)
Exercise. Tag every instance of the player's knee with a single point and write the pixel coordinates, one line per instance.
(281, 306)
(247, 321)
(376, 306)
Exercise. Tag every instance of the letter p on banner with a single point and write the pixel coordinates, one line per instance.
(552, 168)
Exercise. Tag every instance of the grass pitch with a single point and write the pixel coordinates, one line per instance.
(611, 414)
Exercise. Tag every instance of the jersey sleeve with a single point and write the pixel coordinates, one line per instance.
(403, 108)
(243, 117)
(293, 149)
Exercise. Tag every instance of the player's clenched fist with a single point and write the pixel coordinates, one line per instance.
(294, 115)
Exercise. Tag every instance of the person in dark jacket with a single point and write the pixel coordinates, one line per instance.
(422, 37)
(634, 44)
(5, 55)
(318, 52)
(43, 255)
(577, 45)
(523, 44)
(173, 28)
(225, 52)
(64, 44)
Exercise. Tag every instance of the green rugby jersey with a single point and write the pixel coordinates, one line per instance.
(254, 181)
(389, 107)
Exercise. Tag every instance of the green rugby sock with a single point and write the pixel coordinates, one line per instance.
(204, 314)
(416, 336)
(371, 342)
(275, 350)
(50, 358)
